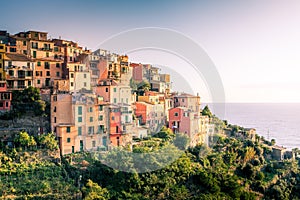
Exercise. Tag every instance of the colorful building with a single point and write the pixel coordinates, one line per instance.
(5, 97)
(80, 122)
(36, 46)
(2, 56)
(19, 71)
(183, 120)
(187, 100)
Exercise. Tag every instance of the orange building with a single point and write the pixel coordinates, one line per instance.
(40, 49)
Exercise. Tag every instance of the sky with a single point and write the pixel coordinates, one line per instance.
(254, 44)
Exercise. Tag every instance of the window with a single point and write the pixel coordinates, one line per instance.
(25, 52)
(47, 54)
(11, 72)
(84, 84)
(71, 59)
(47, 73)
(54, 97)
(176, 114)
(72, 84)
(79, 110)
(90, 109)
(58, 65)
(54, 109)
(91, 119)
(79, 130)
(72, 75)
(112, 118)
(54, 120)
(100, 107)
(91, 130)
(39, 63)
(34, 54)
(47, 65)
(79, 119)
(38, 81)
(24, 43)
(182, 100)
(100, 129)
(115, 100)
(56, 49)
(68, 140)
(106, 89)
(100, 117)
(115, 89)
(94, 143)
(57, 74)
(84, 75)
(68, 129)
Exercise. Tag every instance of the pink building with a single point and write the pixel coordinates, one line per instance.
(183, 120)
(137, 72)
(5, 97)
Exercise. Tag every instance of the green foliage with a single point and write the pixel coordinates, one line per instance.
(25, 140)
(181, 141)
(166, 134)
(48, 141)
(27, 100)
(234, 169)
(93, 191)
(206, 111)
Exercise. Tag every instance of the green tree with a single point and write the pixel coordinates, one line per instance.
(165, 133)
(25, 140)
(181, 141)
(92, 191)
(206, 111)
(48, 141)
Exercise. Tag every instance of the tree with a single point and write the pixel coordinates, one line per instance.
(181, 141)
(165, 133)
(206, 112)
(25, 140)
(143, 87)
(273, 142)
(48, 141)
(93, 191)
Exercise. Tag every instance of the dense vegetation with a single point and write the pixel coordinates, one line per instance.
(234, 167)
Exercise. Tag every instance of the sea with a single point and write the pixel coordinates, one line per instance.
(279, 121)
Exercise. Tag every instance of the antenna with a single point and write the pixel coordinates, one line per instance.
(268, 134)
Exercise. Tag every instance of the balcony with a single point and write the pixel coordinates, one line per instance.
(45, 49)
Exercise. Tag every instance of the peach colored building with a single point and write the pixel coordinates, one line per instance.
(80, 122)
(36, 46)
(187, 100)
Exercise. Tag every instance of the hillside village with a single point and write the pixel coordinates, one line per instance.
(61, 104)
(98, 100)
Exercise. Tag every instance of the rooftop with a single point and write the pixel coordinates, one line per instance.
(17, 57)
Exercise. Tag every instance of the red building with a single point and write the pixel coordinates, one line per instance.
(115, 126)
(5, 97)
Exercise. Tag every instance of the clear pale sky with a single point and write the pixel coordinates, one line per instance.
(254, 44)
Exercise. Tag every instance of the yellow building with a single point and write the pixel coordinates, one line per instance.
(2, 55)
